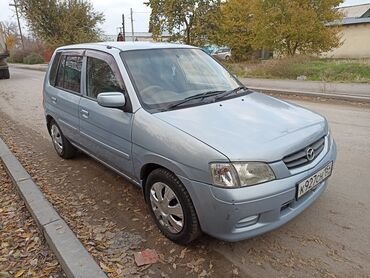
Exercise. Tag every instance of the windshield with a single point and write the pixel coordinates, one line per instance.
(164, 77)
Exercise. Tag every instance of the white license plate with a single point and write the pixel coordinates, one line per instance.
(313, 181)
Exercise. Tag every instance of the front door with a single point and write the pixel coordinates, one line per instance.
(105, 132)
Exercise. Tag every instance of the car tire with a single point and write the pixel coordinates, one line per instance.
(4, 74)
(61, 144)
(170, 204)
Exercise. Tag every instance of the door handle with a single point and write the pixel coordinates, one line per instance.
(85, 113)
(53, 99)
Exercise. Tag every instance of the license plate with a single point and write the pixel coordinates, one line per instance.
(313, 181)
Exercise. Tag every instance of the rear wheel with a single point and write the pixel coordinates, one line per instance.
(4, 74)
(61, 144)
(171, 207)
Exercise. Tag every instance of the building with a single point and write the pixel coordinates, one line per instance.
(355, 33)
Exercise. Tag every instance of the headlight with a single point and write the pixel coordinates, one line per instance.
(239, 174)
(253, 173)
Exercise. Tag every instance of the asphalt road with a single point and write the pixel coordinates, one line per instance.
(331, 238)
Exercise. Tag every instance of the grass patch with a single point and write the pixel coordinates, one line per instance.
(331, 70)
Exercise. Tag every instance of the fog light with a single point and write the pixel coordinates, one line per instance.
(248, 221)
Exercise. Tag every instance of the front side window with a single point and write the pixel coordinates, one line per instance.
(100, 78)
(164, 77)
(69, 73)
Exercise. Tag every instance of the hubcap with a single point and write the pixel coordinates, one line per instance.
(166, 207)
(57, 138)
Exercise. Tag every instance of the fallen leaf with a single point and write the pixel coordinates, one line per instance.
(203, 274)
(106, 268)
(183, 252)
(147, 256)
(19, 273)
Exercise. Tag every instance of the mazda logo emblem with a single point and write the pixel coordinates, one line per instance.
(310, 154)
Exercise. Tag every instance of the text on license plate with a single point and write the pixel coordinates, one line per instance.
(313, 181)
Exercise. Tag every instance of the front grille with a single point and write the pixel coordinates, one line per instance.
(299, 158)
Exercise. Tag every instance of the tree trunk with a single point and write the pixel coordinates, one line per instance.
(187, 30)
(188, 35)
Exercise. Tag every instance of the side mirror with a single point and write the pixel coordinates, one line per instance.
(112, 100)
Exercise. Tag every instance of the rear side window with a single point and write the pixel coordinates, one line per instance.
(100, 78)
(54, 69)
(69, 73)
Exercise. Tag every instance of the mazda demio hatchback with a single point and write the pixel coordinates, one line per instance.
(210, 155)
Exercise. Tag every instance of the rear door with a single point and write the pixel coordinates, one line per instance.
(65, 93)
(105, 132)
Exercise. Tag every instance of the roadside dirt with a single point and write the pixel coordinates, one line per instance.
(23, 251)
(106, 212)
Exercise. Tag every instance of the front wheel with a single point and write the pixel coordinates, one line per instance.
(171, 207)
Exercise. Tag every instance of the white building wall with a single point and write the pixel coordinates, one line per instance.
(356, 42)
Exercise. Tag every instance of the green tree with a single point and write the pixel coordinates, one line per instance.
(60, 22)
(191, 21)
(295, 26)
(234, 27)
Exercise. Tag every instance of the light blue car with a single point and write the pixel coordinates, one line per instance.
(209, 154)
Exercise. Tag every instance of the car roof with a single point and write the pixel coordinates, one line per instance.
(125, 46)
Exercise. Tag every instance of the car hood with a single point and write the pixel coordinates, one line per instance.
(254, 127)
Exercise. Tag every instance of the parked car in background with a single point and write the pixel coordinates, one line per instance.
(4, 54)
(223, 53)
(209, 49)
(209, 154)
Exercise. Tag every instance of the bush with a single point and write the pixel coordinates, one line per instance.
(285, 68)
(33, 58)
(313, 68)
(18, 55)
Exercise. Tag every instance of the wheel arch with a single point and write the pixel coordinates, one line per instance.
(149, 167)
(153, 162)
(49, 119)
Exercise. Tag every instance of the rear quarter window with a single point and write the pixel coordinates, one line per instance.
(54, 69)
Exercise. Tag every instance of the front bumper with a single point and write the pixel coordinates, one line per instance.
(241, 213)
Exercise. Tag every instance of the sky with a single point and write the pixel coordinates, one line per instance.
(113, 10)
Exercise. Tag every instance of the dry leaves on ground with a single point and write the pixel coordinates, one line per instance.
(23, 251)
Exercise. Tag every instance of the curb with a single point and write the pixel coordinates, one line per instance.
(346, 97)
(71, 254)
(29, 67)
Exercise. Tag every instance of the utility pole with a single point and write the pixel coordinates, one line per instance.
(132, 26)
(15, 5)
(123, 28)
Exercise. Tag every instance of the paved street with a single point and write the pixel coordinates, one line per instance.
(329, 239)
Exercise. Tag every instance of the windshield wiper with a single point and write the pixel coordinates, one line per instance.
(227, 93)
(197, 96)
